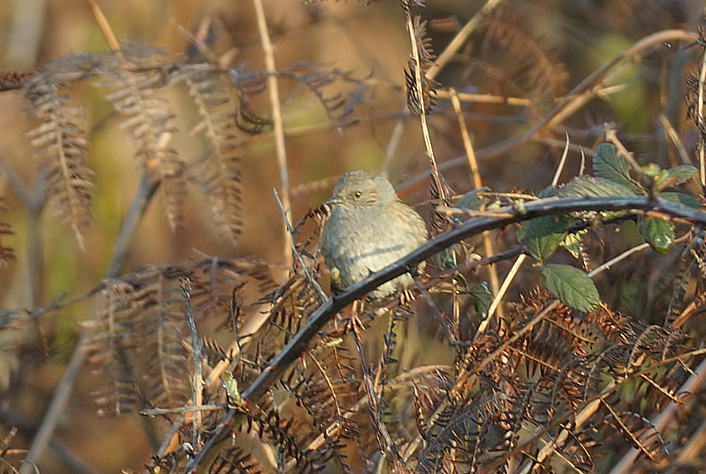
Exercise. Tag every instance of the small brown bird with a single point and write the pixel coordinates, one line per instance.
(368, 229)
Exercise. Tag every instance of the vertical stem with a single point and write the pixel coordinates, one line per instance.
(440, 62)
(477, 183)
(273, 90)
(461, 37)
(702, 124)
(419, 79)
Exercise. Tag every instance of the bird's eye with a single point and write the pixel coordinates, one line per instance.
(358, 194)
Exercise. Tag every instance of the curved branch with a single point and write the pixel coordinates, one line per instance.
(327, 310)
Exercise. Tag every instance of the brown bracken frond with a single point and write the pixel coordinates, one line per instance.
(246, 85)
(269, 425)
(338, 107)
(61, 139)
(505, 58)
(10, 80)
(219, 172)
(141, 318)
(7, 253)
(557, 372)
(133, 78)
(424, 98)
(114, 333)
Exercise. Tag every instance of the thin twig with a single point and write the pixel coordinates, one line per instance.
(562, 162)
(152, 412)
(104, 25)
(613, 261)
(461, 37)
(273, 90)
(196, 378)
(700, 107)
(477, 184)
(419, 80)
(675, 139)
(466, 139)
(288, 226)
(501, 292)
(146, 190)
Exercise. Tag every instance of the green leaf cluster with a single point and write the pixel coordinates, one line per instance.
(614, 176)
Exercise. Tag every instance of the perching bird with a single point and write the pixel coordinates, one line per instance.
(368, 229)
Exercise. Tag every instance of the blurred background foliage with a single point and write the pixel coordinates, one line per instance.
(529, 49)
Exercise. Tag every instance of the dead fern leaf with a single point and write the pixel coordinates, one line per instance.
(133, 78)
(141, 318)
(220, 170)
(7, 253)
(421, 91)
(62, 141)
(10, 80)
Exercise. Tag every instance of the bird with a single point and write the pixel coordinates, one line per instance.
(369, 228)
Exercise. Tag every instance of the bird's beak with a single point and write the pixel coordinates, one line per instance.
(333, 201)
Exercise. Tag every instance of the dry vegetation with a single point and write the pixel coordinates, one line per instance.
(163, 310)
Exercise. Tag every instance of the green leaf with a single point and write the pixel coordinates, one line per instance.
(472, 199)
(584, 185)
(572, 243)
(572, 286)
(681, 198)
(544, 234)
(607, 164)
(482, 299)
(657, 232)
(675, 176)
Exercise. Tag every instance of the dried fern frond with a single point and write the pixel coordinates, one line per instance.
(235, 460)
(323, 397)
(62, 141)
(113, 334)
(10, 80)
(141, 317)
(421, 91)
(269, 425)
(506, 58)
(7, 253)
(133, 78)
(219, 171)
(338, 106)
(409, 4)
(552, 375)
(246, 85)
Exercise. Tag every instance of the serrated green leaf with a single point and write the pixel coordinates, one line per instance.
(572, 286)
(544, 234)
(608, 165)
(482, 299)
(657, 232)
(681, 198)
(585, 185)
(675, 176)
